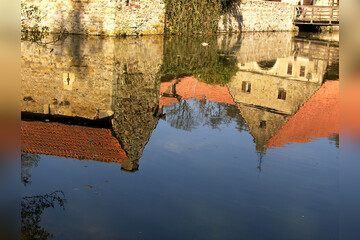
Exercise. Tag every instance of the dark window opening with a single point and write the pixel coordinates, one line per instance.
(309, 76)
(289, 69)
(316, 67)
(262, 124)
(282, 94)
(302, 71)
(127, 2)
(246, 87)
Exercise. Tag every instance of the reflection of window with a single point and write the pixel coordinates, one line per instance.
(246, 87)
(302, 71)
(282, 94)
(127, 2)
(309, 76)
(289, 69)
(316, 67)
(262, 124)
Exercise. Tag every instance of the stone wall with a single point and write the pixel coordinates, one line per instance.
(257, 16)
(108, 17)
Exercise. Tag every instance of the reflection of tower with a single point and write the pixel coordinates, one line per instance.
(135, 102)
(261, 156)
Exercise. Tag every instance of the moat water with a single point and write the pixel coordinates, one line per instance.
(165, 138)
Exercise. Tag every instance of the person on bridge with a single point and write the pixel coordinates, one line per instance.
(299, 10)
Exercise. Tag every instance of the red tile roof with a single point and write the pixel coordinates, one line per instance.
(70, 141)
(318, 117)
(189, 87)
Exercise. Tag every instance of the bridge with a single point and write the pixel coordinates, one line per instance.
(316, 15)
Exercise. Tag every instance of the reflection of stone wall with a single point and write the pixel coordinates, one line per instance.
(102, 16)
(262, 124)
(264, 46)
(73, 79)
(136, 95)
(298, 68)
(265, 91)
(258, 16)
(77, 77)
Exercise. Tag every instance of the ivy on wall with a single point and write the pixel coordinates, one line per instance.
(194, 16)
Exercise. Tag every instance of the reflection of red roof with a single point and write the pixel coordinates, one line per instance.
(350, 109)
(318, 117)
(70, 141)
(166, 101)
(189, 87)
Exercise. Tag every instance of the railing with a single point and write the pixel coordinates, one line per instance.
(321, 15)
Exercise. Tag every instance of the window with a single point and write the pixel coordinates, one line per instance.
(262, 124)
(289, 69)
(302, 71)
(127, 2)
(316, 67)
(246, 87)
(282, 94)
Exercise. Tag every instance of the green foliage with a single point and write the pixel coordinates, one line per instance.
(31, 18)
(185, 56)
(194, 16)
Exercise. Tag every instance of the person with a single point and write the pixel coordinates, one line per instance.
(298, 10)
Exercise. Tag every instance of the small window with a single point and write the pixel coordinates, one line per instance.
(262, 124)
(302, 71)
(246, 87)
(127, 2)
(316, 67)
(282, 94)
(289, 69)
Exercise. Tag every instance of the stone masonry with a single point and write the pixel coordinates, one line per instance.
(101, 17)
(257, 16)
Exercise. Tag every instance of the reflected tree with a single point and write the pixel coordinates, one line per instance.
(181, 116)
(28, 161)
(190, 114)
(31, 209)
(186, 56)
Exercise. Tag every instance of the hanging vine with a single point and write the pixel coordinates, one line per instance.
(195, 16)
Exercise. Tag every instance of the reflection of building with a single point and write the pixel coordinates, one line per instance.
(94, 79)
(268, 93)
(190, 87)
(71, 141)
(319, 117)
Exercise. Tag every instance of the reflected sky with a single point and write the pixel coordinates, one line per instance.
(154, 138)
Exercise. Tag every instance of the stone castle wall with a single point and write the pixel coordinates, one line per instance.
(132, 17)
(257, 16)
(105, 17)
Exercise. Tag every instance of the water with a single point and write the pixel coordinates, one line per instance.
(163, 138)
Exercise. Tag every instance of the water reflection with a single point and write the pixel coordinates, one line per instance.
(32, 207)
(200, 122)
(132, 83)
